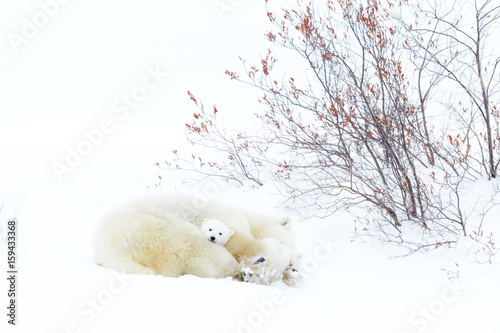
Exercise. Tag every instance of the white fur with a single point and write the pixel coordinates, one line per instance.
(279, 255)
(216, 231)
(137, 242)
(273, 264)
(161, 234)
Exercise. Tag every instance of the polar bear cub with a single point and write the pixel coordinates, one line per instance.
(279, 253)
(216, 231)
(272, 265)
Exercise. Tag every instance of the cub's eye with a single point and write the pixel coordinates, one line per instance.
(220, 233)
(209, 229)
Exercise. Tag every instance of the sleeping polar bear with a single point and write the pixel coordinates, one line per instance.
(161, 234)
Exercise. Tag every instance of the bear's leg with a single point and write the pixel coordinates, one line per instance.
(213, 261)
(130, 266)
(123, 263)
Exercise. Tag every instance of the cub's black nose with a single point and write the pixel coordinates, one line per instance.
(212, 238)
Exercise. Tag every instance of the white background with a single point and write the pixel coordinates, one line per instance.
(65, 80)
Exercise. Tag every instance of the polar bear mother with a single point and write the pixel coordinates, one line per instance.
(160, 234)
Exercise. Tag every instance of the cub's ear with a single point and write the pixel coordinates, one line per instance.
(286, 222)
(205, 220)
(231, 232)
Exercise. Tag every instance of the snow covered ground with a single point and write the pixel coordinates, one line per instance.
(64, 102)
(348, 286)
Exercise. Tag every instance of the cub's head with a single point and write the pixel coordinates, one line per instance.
(216, 231)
